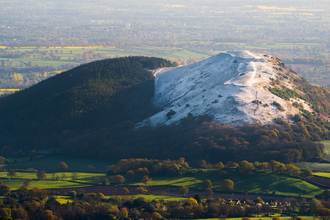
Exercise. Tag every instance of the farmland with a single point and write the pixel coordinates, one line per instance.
(263, 182)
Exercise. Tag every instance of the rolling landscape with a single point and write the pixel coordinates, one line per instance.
(164, 110)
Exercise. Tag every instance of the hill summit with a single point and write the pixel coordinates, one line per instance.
(234, 88)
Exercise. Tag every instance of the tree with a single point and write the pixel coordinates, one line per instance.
(97, 180)
(2, 160)
(142, 189)
(4, 190)
(207, 184)
(208, 192)
(19, 213)
(323, 213)
(130, 174)
(202, 163)
(5, 213)
(26, 182)
(326, 194)
(146, 180)
(74, 176)
(197, 198)
(246, 167)
(156, 216)
(63, 176)
(32, 154)
(105, 182)
(292, 169)
(263, 166)
(41, 175)
(314, 205)
(143, 171)
(227, 185)
(72, 194)
(123, 214)
(90, 168)
(218, 166)
(99, 196)
(184, 190)
(119, 179)
(62, 166)
(306, 174)
(11, 173)
(125, 191)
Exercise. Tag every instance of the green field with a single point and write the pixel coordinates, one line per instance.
(63, 199)
(321, 174)
(323, 167)
(49, 164)
(82, 180)
(43, 184)
(257, 183)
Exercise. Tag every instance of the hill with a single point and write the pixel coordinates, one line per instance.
(102, 93)
(235, 88)
(250, 109)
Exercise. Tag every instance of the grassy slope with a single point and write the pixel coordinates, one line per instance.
(258, 183)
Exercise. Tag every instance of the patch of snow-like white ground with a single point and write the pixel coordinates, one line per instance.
(222, 86)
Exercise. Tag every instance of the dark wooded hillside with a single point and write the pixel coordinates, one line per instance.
(94, 95)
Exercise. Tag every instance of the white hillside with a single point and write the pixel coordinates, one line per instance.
(224, 87)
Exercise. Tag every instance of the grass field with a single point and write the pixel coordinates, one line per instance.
(257, 183)
(82, 180)
(321, 174)
(49, 164)
(43, 184)
(63, 199)
(322, 167)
